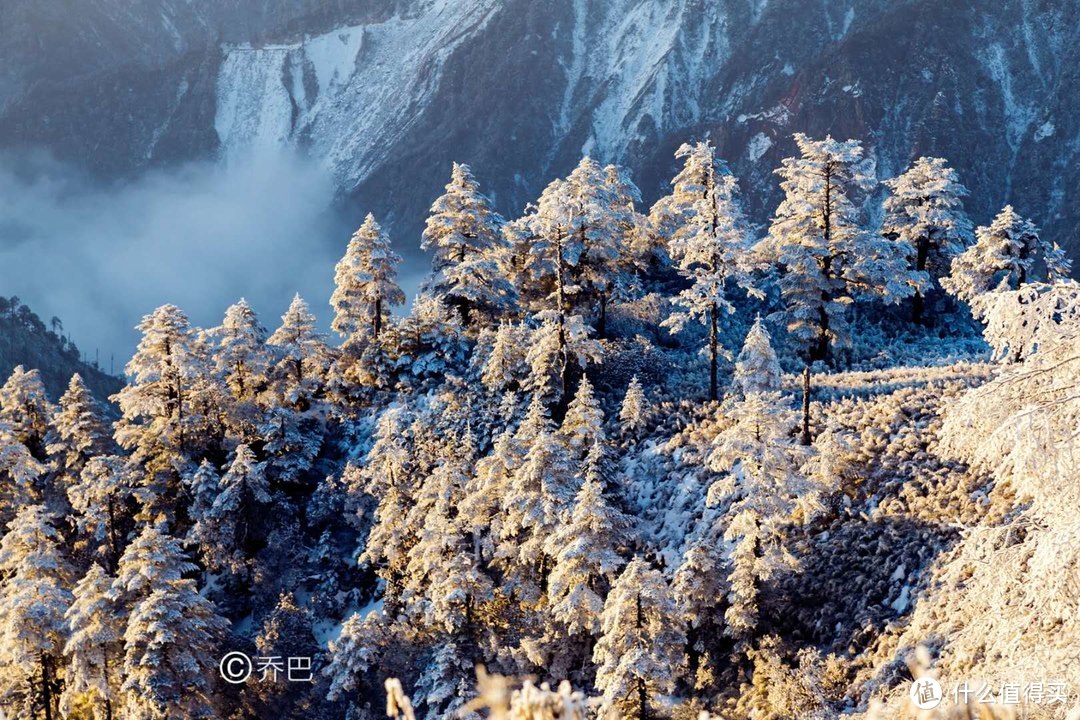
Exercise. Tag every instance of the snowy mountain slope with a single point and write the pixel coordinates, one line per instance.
(387, 95)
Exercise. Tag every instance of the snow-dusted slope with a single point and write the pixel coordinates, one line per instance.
(347, 95)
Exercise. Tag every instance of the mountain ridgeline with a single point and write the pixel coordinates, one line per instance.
(388, 94)
(26, 340)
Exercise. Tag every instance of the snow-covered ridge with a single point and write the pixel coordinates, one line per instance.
(345, 94)
(348, 95)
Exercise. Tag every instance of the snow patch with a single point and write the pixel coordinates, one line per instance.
(758, 146)
(1044, 131)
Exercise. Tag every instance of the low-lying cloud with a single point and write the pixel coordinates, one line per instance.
(200, 236)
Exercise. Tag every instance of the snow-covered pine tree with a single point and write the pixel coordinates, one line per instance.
(26, 409)
(539, 490)
(233, 529)
(429, 343)
(1003, 257)
(159, 415)
(387, 474)
(554, 352)
(764, 485)
(698, 586)
(299, 374)
(634, 409)
(79, 430)
(150, 562)
(712, 252)
(242, 361)
(94, 647)
(583, 425)
(599, 221)
(355, 651)
(170, 654)
(756, 368)
(445, 579)
(293, 425)
(641, 650)
(585, 547)
(925, 213)
(101, 500)
(828, 258)
(19, 474)
(479, 507)
(446, 682)
(365, 284)
(465, 235)
(670, 218)
(33, 600)
(504, 367)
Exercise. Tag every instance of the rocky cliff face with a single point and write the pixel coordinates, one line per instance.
(387, 94)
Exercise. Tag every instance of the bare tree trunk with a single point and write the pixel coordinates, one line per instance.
(46, 687)
(806, 406)
(713, 350)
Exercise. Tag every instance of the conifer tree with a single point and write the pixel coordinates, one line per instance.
(150, 562)
(465, 235)
(585, 548)
(160, 421)
(1003, 257)
(33, 600)
(388, 476)
(356, 650)
(672, 216)
(26, 409)
(712, 251)
(241, 356)
(299, 374)
(699, 584)
(241, 361)
(539, 490)
(170, 654)
(19, 474)
(756, 368)
(101, 500)
(827, 256)
(229, 535)
(641, 650)
(504, 367)
(595, 202)
(293, 424)
(94, 647)
(924, 212)
(365, 284)
(583, 424)
(79, 430)
(634, 408)
(762, 479)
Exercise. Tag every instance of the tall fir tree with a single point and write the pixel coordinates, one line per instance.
(25, 407)
(465, 235)
(634, 409)
(828, 257)
(712, 251)
(33, 600)
(365, 284)
(924, 212)
(757, 369)
(640, 652)
(170, 654)
(94, 647)
(1003, 257)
